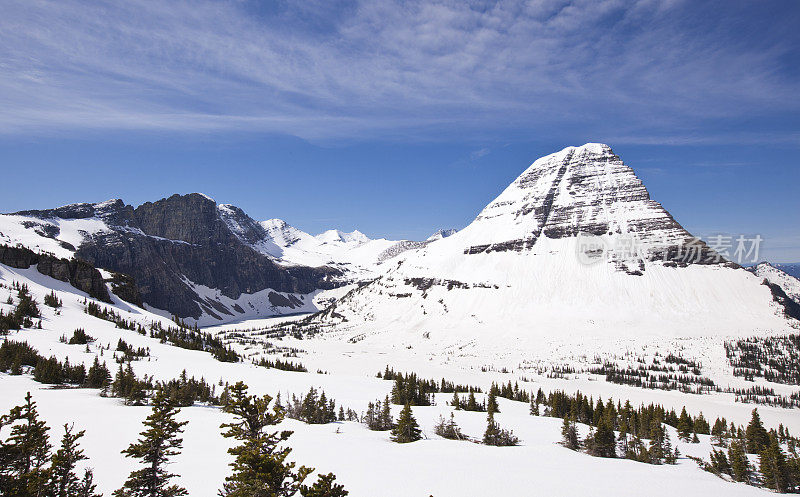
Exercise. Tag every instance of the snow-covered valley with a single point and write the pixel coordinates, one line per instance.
(363, 460)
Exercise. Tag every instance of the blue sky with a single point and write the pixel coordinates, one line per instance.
(401, 118)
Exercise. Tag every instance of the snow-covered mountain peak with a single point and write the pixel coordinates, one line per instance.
(283, 234)
(584, 190)
(442, 233)
(337, 236)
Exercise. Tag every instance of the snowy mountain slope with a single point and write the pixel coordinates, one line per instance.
(788, 283)
(439, 465)
(572, 249)
(57, 231)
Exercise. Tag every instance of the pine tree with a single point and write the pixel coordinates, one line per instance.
(158, 443)
(491, 403)
(86, 488)
(456, 402)
(773, 467)
(494, 435)
(325, 486)
(670, 456)
(718, 431)
(701, 425)
(98, 375)
(385, 417)
(657, 450)
(26, 452)
(259, 466)
(472, 404)
(685, 426)
(637, 450)
(407, 430)
(756, 436)
(719, 463)
(534, 407)
(740, 466)
(603, 442)
(623, 433)
(569, 433)
(64, 482)
(448, 429)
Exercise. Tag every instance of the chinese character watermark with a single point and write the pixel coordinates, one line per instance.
(629, 247)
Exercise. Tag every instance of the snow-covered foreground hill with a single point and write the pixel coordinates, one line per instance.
(366, 462)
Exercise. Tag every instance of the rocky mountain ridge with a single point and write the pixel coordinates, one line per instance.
(171, 248)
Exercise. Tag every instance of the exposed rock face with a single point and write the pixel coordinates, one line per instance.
(586, 190)
(242, 225)
(163, 244)
(112, 211)
(78, 273)
(189, 218)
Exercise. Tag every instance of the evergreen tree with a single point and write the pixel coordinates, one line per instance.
(86, 487)
(569, 433)
(685, 426)
(448, 429)
(259, 466)
(491, 403)
(740, 466)
(472, 404)
(494, 435)
(623, 433)
(535, 407)
(719, 463)
(756, 436)
(773, 467)
(701, 425)
(98, 375)
(670, 455)
(603, 442)
(657, 437)
(325, 486)
(25, 453)
(158, 443)
(718, 431)
(637, 450)
(385, 418)
(407, 430)
(64, 482)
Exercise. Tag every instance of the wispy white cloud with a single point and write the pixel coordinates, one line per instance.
(477, 154)
(328, 70)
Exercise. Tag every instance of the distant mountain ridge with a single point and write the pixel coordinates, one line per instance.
(774, 273)
(792, 269)
(178, 250)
